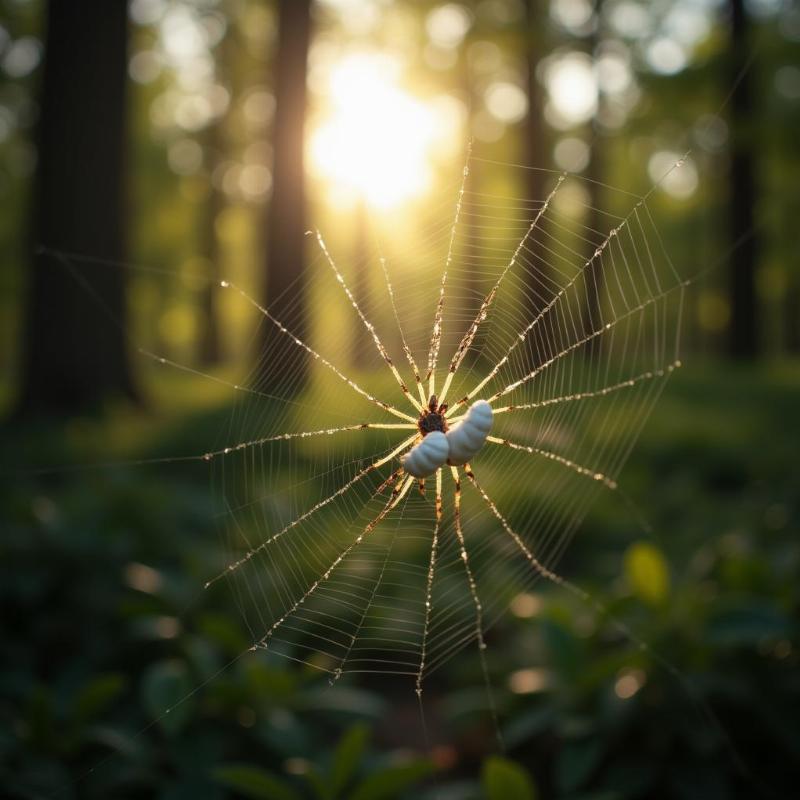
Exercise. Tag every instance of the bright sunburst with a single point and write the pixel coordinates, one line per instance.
(377, 138)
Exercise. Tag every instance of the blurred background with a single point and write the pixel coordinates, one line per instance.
(149, 150)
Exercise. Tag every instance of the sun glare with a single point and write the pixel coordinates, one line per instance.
(376, 140)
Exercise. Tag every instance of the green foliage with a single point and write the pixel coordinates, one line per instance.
(85, 663)
(504, 780)
(249, 781)
(392, 781)
(346, 757)
(348, 776)
(647, 572)
(165, 687)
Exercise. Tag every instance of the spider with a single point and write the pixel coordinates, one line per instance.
(442, 436)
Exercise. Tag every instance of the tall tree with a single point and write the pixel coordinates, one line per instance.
(209, 349)
(743, 339)
(593, 273)
(541, 292)
(286, 229)
(75, 352)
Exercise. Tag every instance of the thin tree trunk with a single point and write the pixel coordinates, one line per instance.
(75, 352)
(593, 274)
(541, 289)
(209, 349)
(285, 290)
(792, 315)
(743, 335)
(475, 284)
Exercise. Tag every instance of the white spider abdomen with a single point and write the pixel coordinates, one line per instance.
(467, 437)
(426, 457)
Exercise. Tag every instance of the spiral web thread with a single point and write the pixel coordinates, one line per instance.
(336, 558)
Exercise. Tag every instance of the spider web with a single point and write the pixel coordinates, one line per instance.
(565, 317)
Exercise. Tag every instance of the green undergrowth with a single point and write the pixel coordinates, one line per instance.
(106, 627)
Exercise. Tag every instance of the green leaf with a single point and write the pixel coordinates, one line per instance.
(390, 782)
(647, 572)
(576, 762)
(527, 725)
(254, 782)
(747, 625)
(165, 691)
(504, 780)
(345, 760)
(97, 695)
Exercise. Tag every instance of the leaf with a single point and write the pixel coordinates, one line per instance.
(346, 758)
(346, 701)
(165, 691)
(505, 780)
(254, 782)
(647, 572)
(748, 625)
(527, 725)
(390, 782)
(564, 649)
(97, 695)
(576, 762)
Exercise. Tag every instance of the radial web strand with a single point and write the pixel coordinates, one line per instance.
(569, 332)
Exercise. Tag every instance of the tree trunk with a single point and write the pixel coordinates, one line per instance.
(363, 346)
(743, 335)
(593, 274)
(541, 289)
(285, 290)
(209, 350)
(75, 351)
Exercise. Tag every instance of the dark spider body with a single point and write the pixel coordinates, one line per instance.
(433, 418)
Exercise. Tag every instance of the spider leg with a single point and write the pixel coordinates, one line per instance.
(473, 589)
(421, 485)
(360, 475)
(379, 346)
(429, 585)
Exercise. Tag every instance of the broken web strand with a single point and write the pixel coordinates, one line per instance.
(379, 346)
